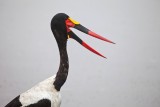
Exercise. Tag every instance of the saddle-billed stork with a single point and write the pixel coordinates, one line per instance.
(47, 92)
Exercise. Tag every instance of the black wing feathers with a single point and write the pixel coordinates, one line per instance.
(14, 103)
(42, 103)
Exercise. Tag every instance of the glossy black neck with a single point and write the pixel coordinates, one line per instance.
(62, 73)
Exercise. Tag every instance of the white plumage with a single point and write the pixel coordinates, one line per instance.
(43, 90)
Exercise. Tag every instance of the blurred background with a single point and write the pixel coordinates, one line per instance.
(130, 77)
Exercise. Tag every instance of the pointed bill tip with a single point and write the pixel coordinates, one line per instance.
(113, 42)
(91, 49)
(99, 37)
(104, 57)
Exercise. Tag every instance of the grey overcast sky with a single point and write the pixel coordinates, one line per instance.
(130, 77)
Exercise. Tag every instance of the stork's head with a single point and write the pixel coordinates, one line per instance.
(61, 24)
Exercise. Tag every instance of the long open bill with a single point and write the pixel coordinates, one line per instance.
(72, 23)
